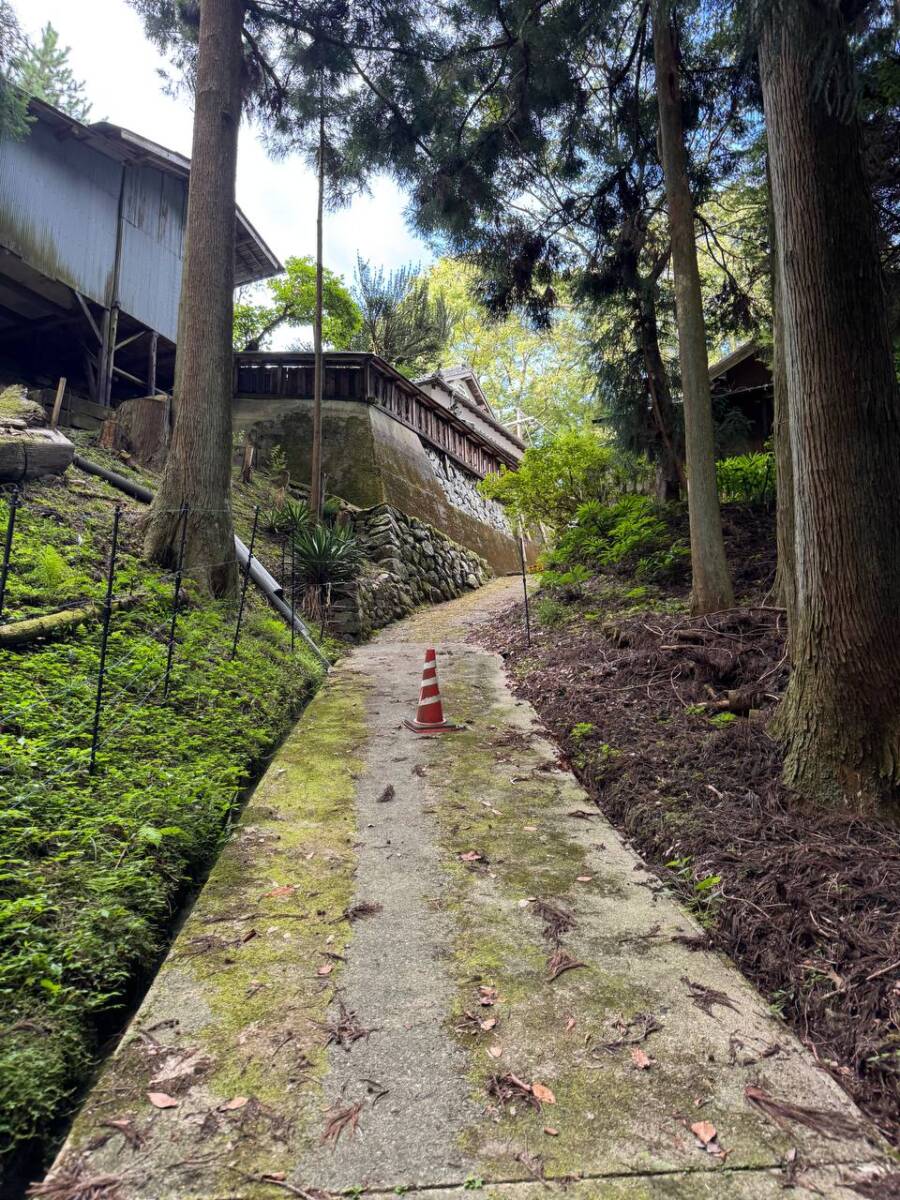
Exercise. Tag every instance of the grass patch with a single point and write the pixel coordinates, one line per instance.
(93, 868)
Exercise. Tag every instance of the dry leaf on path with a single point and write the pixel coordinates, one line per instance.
(488, 1023)
(487, 996)
(827, 1122)
(550, 1131)
(388, 794)
(325, 969)
(344, 1118)
(541, 1092)
(641, 1059)
(286, 890)
(559, 962)
(584, 878)
(704, 1131)
(496, 1050)
(232, 1105)
(162, 1100)
(470, 856)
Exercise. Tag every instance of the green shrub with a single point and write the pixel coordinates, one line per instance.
(629, 535)
(566, 584)
(50, 572)
(288, 518)
(323, 556)
(550, 612)
(747, 478)
(557, 477)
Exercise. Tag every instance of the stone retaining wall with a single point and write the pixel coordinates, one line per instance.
(461, 489)
(408, 563)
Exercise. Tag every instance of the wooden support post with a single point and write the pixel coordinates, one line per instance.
(57, 403)
(151, 363)
(110, 356)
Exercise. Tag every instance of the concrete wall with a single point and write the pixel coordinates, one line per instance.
(370, 459)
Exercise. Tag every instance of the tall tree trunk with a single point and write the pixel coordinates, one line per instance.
(670, 477)
(198, 469)
(315, 483)
(711, 588)
(785, 572)
(840, 719)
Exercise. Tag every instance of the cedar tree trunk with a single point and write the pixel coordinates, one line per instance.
(198, 469)
(711, 588)
(840, 719)
(785, 573)
(670, 478)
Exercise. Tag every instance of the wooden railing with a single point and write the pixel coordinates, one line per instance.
(366, 378)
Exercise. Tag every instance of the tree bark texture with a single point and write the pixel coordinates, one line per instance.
(670, 468)
(711, 588)
(315, 483)
(785, 572)
(198, 468)
(840, 719)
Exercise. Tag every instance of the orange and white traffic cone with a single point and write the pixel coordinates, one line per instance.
(430, 713)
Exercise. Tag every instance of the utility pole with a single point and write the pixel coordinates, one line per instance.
(315, 486)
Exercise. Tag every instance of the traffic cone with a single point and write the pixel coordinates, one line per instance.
(430, 713)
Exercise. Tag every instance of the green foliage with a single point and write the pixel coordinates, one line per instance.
(702, 895)
(401, 320)
(557, 477)
(13, 102)
(324, 555)
(42, 70)
(627, 535)
(291, 518)
(276, 462)
(722, 719)
(550, 612)
(291, 300)
(93, 868)
(543, 376)
(566, 584)
(747, 478)
(582, 730)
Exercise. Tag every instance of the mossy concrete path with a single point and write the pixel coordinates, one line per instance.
(428, 965)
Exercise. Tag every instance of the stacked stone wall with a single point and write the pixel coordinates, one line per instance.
(408, 563)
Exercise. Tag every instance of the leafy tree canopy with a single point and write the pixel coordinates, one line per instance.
(545, 376)
(292, 302)
(13, 104)
(402, 321)
(42, 70)
(555, 478)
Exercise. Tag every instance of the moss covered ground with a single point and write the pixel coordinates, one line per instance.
(94, 868)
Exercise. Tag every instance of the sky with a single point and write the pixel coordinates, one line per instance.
(119, 67)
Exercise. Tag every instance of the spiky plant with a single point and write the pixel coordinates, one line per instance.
(323, 556)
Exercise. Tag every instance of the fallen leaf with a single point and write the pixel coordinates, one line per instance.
(274, 1176)
(488, 1023)
(496, 1050)
(542, 1093)
(161, 1100)
(640, 1059)
(470, 856)
(487, 996)
(339, 1120)
(559, 962)
(584, 878)
(530, 828)
(704, 1131)
(570, 1024)
(387, 795)
(550, 1131)
(286, 890)
(249, 935)
(237, 1102)
(182, 1066)
(325, 969)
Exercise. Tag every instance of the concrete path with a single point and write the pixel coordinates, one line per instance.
(427, 965)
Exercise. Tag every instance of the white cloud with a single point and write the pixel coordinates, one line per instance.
(120, 69)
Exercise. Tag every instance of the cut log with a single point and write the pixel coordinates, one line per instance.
(55, 625)
(29, 454)
(140, 428)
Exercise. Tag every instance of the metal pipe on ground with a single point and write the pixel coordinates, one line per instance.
(267, 584)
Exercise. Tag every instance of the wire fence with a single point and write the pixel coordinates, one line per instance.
(105, 711)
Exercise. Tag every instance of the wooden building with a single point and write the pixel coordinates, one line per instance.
(92, 230)
(743, 398)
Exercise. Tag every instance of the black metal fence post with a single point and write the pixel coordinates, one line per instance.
(104, 636)
(293, 629)
(525, 587)
(237, 628)
(184, 520)
(7, 545)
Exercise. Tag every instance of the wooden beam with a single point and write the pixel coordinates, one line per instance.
(57, 403)
(90, 316)
(151, 363)
(133, 338)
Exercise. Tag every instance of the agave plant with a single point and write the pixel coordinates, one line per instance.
(289, 518)
(323, 556)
